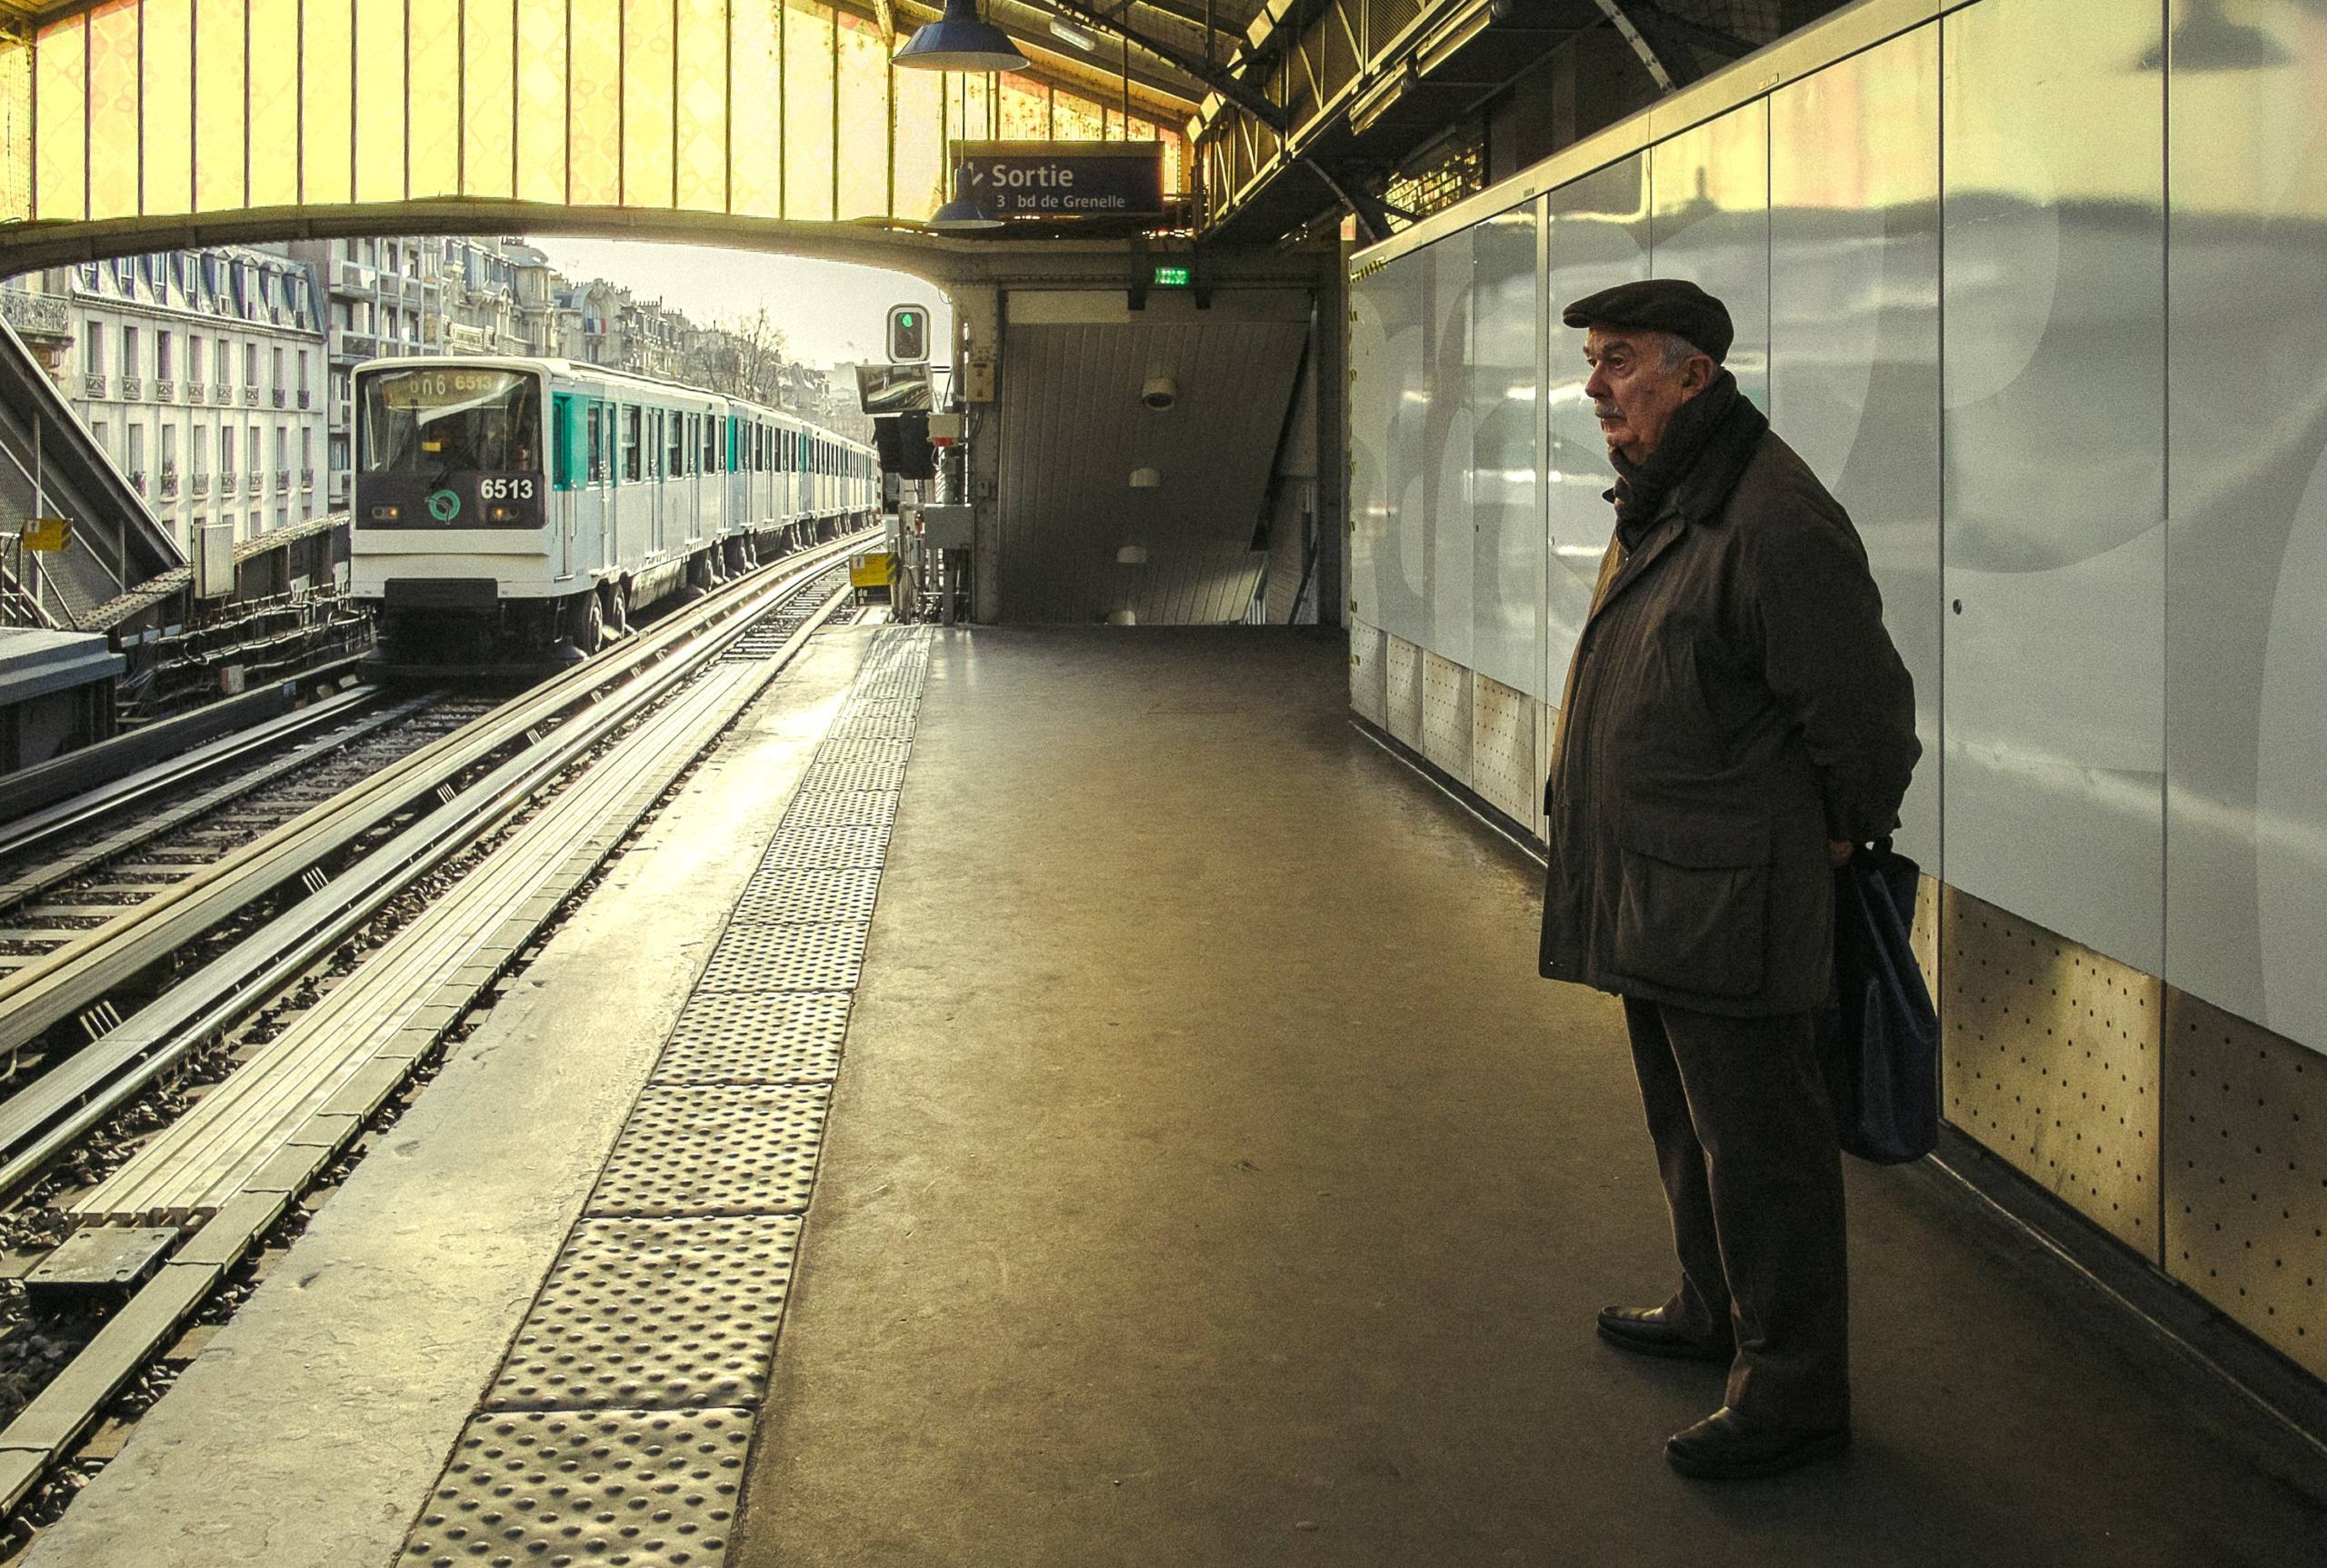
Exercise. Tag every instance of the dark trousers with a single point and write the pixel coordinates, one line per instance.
(1745, 1144)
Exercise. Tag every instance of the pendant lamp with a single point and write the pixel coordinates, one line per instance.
(959, 41)
(962, 213)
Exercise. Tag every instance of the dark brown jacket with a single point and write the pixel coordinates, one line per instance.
(1733, 703)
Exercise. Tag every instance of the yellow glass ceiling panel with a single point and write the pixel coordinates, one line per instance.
(165, 131)
(593, 123)
(777, 108)
(920, 143)
(648, 88)
(488, 98)
(274, 104)
(1025, 110)
(807, 42)
(16, 129)
(61, 74)
(113, 110)
(755, 132)
(863, 86)
(432, 98)
(702, 107)
(541, 100)
(326, 103)
(379, 101)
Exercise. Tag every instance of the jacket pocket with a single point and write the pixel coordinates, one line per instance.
(1692, 902)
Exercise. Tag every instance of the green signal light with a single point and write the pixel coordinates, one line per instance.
(906, 320)
(1172, 276)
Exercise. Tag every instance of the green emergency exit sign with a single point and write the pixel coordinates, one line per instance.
(1171, 276)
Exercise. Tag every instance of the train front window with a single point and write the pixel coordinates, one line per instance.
(446, 420)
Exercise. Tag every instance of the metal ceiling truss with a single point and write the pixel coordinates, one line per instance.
(1661, 41)
(1214, 78)
(1157, 95)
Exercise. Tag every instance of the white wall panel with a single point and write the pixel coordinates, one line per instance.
(2052, 344)
(1445, 432)
(1506, 422)
(1598, 238)
(1403, 691)
(1854, 340)
(1368, 672)
(1398, 554)
(1710, 223)
(2246, 602)
(1372, 397)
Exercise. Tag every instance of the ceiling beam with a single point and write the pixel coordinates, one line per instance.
(1154, 96)
(1216, 78)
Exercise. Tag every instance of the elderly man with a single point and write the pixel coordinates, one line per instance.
(1735, 720)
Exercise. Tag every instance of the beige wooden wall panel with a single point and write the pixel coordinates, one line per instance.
(1403, 692)
(1503, 750)
(2049, 1057)
(1368, 684)
(2245, 1175)
(1446, 714)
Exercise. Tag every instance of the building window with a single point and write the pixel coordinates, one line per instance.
(136, 446)
(163, 359)
(201, 449)
(194, 354)
(93, 348)
(278, 383)
(253, 458)
(303, 369)
(306, 446)
(102, 433)
(169, 449)
(250, 364)
(128, 350)
(223, 367)
(281, 446)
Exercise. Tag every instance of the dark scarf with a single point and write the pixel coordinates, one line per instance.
(1706, 446)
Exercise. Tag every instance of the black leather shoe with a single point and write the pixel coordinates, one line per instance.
(1723, 1448)
(1645, 1332)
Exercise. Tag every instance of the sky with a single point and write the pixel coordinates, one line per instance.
(832, 313)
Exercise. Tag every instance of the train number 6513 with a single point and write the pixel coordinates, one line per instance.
(505, 490)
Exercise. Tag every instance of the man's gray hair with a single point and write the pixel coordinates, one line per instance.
(1673, 351)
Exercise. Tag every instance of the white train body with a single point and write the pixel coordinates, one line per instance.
(502, 504)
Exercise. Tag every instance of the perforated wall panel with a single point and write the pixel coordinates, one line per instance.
(1503, 750)
(2049, 1057)
(1368, 690)
(2245, 1175)
(1446, 714)
(1925, 933)
(1405, 692)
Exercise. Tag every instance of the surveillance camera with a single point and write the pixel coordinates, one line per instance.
(1159, 393)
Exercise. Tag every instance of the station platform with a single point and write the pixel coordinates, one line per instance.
(1205, 1177)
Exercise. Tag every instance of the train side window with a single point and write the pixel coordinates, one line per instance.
(709, 438)
(594, 416)
(566, 441)
(674, 445)
(630, 443)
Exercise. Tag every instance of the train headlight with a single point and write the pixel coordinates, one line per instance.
(501, 514)
(386, 514)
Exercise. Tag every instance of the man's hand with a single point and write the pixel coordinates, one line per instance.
(1839, 852)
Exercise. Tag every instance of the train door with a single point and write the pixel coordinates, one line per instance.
(565, 470)
(691, 454)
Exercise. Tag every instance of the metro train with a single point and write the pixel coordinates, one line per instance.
(506, 508)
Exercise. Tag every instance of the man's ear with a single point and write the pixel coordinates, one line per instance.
(1697, 373)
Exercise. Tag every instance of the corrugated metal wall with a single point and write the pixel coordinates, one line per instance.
(1074, 428)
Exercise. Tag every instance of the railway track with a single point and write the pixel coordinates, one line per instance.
(503, 818)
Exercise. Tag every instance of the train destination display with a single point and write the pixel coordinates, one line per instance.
(1062, 179)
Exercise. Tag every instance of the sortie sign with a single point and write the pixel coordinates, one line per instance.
(1064, 179)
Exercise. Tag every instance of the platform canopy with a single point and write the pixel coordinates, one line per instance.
(133, 112)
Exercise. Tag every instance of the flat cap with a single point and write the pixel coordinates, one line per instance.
(1671, 305)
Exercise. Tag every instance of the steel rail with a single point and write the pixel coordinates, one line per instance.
(35, 828)
(77, 977)
(56, 1109)
(87, 859)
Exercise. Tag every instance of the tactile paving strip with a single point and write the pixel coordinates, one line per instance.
(721, 1149)
(654, 1315)
(842, 807)
(821, 776)
(836, 751)
(751, 1037)
(825, 956)
(644, 1489)
(811, 893)
(855, 844)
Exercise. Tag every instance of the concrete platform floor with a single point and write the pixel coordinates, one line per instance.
(1211, 1181)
